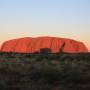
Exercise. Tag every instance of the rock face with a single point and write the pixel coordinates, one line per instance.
(30, 45)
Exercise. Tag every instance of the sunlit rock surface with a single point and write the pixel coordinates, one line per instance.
(30, 45)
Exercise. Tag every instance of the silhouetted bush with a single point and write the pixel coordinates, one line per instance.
(45, 50)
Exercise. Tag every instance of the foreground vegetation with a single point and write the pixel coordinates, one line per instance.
(44, 71)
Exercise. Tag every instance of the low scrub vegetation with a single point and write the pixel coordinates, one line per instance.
(44, 71)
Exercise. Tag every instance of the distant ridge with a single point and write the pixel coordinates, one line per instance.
(30, 45)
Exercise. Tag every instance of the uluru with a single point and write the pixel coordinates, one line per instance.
(34, 44)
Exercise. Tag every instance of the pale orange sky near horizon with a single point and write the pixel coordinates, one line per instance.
(57, 18)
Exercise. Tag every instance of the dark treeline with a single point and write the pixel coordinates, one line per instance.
(44, 71)
(43, 53)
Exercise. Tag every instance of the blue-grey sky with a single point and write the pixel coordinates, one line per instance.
(63, 18)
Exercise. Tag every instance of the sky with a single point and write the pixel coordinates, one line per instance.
(32, 18)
